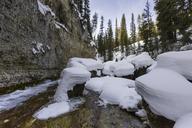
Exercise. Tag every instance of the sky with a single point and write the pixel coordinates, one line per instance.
(112, 9)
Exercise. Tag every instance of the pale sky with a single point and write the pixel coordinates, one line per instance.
(112, 9)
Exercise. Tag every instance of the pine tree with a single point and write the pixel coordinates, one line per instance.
(116, 35)
(124, 36)
(139, 20)
(110, 40)
(133, 33)
(94, 23)
(166, 17)
(147, 29)
(86, 17)
(100, 38)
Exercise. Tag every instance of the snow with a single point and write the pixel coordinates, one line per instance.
(167, 93)
(59, 108)
(106, 69)
(60, 25)
(115, 91)
(153, 66)
(184, 121)
(142, 60)
(53, 110)
(118, 56)
(122, 68)
(186, 47)
(92, 43)
(90, 64)
(130, 58)
(44, 9)
(141, 113)
(11, 100)
(178, 61)
(69, 78)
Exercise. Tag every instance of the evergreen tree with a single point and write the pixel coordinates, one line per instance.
(133, 32)
(147, 29)
(94, 23)
(100, 37)
(86, 17)
(139, 20)
(110, 40)
(123, 35)
(116, 35)
(166, 17)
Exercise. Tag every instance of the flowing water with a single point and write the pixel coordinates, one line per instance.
(88, 115)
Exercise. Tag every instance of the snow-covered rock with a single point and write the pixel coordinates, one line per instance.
(178, 61)
(130, 58)
(168, 93)
(153, 66)
(106, 69)
(69, 78)
(142, 60)
(184, 121)
(116, 91)
(59, 108)
(122, 68)
(53, 110)
(90, 64)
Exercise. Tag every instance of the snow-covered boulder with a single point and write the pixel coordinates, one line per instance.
(122, 68)
(153, 66)
(142, 61)
(106, 69)
(184, 121)
(116, 91)
(90, 64)
(168, 93)
(180, 62)
(130, 58)
(69, 78)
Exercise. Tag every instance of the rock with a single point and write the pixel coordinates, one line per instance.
(32, 46)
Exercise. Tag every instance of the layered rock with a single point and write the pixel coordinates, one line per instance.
(36, 46)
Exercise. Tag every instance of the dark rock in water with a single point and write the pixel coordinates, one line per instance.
(77, 91)
(139, 72)
(157, 121)
(131, 77)
(32, 47)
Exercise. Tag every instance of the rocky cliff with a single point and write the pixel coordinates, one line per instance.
(37, 38)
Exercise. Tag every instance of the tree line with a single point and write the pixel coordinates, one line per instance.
(172, 29)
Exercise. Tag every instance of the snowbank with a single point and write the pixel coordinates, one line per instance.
(178, 61)
(184, 122)
(142, 60)
(130, 58)
(90, 64)
(106, 69)
(11, 100)
(69, 78)
(186, 47)
(122, 68)
(56, 109)
(116, 91)
(153, 66)
(167, 93)
(53, 110)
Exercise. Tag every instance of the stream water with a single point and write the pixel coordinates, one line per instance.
(88, 115)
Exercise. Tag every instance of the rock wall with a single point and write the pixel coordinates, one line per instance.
(36, 46)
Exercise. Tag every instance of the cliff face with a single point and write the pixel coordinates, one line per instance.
(37, 40)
